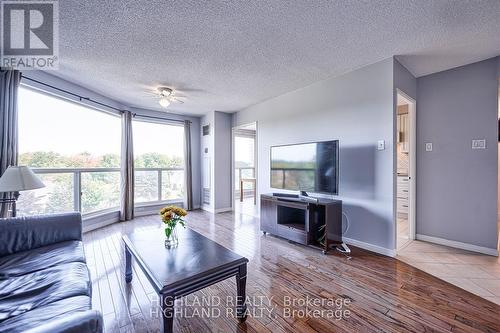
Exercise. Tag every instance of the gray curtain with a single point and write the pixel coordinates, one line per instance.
(127, 169)
(9, 84)
(188, 199)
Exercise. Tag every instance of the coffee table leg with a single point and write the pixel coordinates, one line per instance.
(241, 281)
(128, 265)
(167, 306)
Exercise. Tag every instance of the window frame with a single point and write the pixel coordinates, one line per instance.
(153, 204)
(75, 172)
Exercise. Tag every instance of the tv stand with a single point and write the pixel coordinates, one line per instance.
(315, 222)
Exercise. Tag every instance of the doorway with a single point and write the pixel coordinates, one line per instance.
(406, 170)
(244, 169)
(498, 170)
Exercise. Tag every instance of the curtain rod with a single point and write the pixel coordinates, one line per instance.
(72, 94)
(159, 118)
(95, 102)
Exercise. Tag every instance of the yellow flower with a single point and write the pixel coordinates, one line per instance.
(181, 212)
(164, 210)
(173, 209)
(166, 216)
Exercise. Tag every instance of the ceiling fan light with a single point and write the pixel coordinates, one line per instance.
(164, 91)
(164, 102)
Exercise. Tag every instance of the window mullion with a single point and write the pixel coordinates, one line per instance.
(159, 184)
(77, 191)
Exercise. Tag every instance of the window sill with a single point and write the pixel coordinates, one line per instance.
(100, 213)
(158, 203)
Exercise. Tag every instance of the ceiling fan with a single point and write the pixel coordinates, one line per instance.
(167, 96)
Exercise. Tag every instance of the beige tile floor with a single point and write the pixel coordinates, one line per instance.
(476, 273)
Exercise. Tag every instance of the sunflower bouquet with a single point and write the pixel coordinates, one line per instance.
(171, 216)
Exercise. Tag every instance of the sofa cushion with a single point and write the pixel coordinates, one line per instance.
(44, 314)
(31, 291)
(40, 258)
(30, 232)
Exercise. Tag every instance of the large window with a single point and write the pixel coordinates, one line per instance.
(159, 162)
(74, 149)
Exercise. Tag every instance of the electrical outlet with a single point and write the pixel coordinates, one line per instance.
(380, 145)
(479, 144)
(428, 146)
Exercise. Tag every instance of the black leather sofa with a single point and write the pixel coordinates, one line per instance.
(45, 283)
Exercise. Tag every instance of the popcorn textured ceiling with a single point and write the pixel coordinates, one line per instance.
(227, 55)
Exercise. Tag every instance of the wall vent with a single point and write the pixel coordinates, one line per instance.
(206, 196)
(206, 130)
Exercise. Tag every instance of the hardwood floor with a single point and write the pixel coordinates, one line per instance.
(379, 294)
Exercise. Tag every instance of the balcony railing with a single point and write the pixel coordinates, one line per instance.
(243, 172)
(91, 190)
(284, 177)
(158, 184)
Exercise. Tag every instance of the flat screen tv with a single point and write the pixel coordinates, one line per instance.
(310, 167)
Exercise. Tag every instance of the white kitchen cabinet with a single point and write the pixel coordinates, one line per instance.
(402, 195)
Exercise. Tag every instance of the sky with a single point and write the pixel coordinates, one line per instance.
(296, 153)
(244, 150)
(52, 124)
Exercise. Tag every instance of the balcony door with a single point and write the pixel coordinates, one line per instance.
(245, 197)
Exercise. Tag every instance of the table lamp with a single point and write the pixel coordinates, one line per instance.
(16, 179)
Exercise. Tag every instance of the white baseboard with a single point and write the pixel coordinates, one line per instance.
(207, 208)
(458, 245)
(216, 211)
(370, 247)
(222, 210)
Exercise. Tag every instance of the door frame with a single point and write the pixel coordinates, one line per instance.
(412, 174)
(256, 160)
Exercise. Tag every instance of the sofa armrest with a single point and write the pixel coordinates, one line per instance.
(80, 322)
(29, 232)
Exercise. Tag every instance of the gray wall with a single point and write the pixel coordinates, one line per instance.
(217, 160)
(404, 80)
(357, 109)
(206, 152)
(66, 85)
(222, 159)
(457, 186)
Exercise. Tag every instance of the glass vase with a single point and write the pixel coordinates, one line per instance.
(171, 239)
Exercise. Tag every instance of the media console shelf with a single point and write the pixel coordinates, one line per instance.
(317, 224)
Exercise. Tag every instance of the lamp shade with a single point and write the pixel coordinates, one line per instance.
(19, 178)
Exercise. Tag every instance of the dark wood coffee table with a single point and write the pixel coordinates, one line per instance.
(197, 262)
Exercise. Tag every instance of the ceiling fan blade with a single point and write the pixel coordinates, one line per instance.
(175, 99)
(150, 94)
(177, 95)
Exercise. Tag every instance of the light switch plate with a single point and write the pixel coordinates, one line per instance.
(479, 144)
(428, 146)
(380, 145)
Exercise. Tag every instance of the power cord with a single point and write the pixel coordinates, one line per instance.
(343, 248)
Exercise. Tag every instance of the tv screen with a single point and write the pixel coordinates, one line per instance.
(310, 167)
